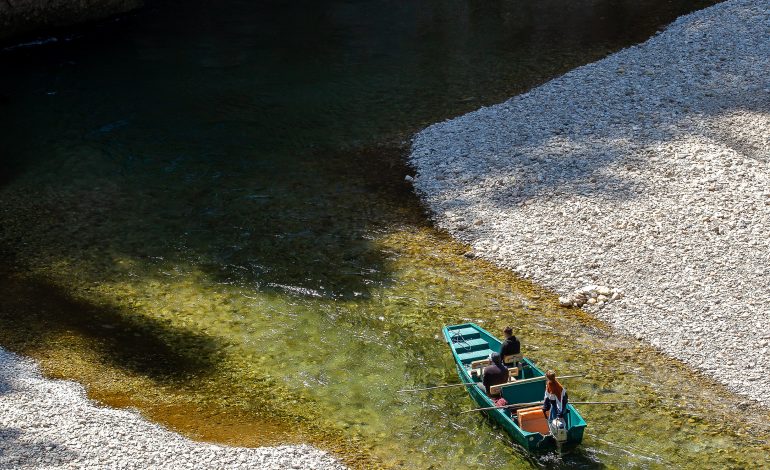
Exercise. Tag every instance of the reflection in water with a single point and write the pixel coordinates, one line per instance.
(205, 216)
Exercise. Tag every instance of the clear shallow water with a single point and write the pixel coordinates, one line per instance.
(204, 216)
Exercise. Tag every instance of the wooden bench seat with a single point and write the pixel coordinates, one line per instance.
(513, 372)
(513, 358)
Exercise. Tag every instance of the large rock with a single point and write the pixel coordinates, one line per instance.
(23, 17)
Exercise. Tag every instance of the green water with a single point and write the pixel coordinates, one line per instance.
(203, 215)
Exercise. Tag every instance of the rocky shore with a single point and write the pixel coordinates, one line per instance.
(24, 17)
(52, 424)
(645, 174)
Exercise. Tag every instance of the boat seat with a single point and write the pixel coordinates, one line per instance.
(513, 358)
(465, 333)
(481, 363)
(469, 357)
(533, 420)
(477, 369)
(468, 345)
(496, 390)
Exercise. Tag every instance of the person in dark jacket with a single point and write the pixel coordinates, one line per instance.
(511, 347)
(495, 373)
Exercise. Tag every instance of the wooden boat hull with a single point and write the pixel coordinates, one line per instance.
(469, 342)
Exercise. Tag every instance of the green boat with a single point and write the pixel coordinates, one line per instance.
(471, 343)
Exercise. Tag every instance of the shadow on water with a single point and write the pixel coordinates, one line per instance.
(310, 234)
(228, 146)
(307, 231)
(35, 313)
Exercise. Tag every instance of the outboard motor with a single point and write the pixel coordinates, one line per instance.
(558, 430)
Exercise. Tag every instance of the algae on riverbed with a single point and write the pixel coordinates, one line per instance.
(220, 359)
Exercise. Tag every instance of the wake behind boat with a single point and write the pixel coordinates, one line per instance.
(471, 346)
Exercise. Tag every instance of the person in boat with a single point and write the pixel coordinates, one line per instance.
(495, 373)
(555, 401)
(511, 347)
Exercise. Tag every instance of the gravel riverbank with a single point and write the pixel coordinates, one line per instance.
(52, 424)
(647, 172)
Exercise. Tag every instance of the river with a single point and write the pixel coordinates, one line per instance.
(204, 216)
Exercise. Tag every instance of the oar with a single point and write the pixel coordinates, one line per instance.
(439, 386)
(516, 405)
(533, 403)
(523, 381)
(600, 402)
(543, 378)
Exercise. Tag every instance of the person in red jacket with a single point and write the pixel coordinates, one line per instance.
(555, 401)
